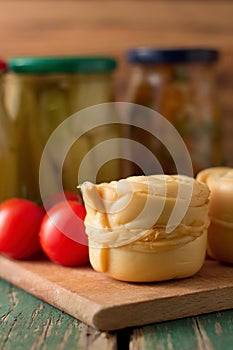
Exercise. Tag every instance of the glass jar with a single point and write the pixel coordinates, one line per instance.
(7, 145)
(180, 85)
(40, 93)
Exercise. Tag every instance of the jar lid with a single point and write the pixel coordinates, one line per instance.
(151, 55)
(69, 64)
(3, 65)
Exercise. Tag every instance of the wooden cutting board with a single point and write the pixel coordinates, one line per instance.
(107, 304)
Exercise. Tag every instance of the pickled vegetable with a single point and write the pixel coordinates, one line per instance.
(38, 99)
(180, 85)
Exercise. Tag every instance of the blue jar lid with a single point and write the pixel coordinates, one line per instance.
(178, 55)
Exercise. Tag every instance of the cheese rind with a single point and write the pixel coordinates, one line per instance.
(127, 264)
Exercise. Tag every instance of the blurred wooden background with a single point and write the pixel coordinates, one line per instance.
(51, 27)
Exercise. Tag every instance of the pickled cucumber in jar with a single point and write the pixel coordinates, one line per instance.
(42, 92)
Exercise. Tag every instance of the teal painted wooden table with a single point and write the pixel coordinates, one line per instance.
(28, 323)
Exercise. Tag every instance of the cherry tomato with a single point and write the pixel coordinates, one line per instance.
(62, 234)
(61, 196)
(20, 221)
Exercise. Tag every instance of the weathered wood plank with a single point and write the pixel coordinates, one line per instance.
(28, 323)
(174, 335)
(219, 329)
(207, 332)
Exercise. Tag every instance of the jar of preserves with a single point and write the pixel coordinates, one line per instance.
(180, 85)
(7, 146)
(40, 93)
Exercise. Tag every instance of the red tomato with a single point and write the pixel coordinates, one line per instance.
(61, 196)
(62, 234)
(20, 221)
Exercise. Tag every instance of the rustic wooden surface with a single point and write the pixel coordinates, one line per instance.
(67, 26)
(207, 332)
(108, 304)
(30, 27)
(28, 323)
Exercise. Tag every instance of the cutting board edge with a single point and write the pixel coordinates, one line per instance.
(79, 312)
(99, 319)
(109, 317)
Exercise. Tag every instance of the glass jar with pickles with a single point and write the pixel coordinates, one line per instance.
(40, 93)
(180, 85)
(7, 145)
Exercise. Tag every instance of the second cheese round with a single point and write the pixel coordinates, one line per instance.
(220, 232)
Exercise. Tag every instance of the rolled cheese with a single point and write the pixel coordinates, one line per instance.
(132, 218)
